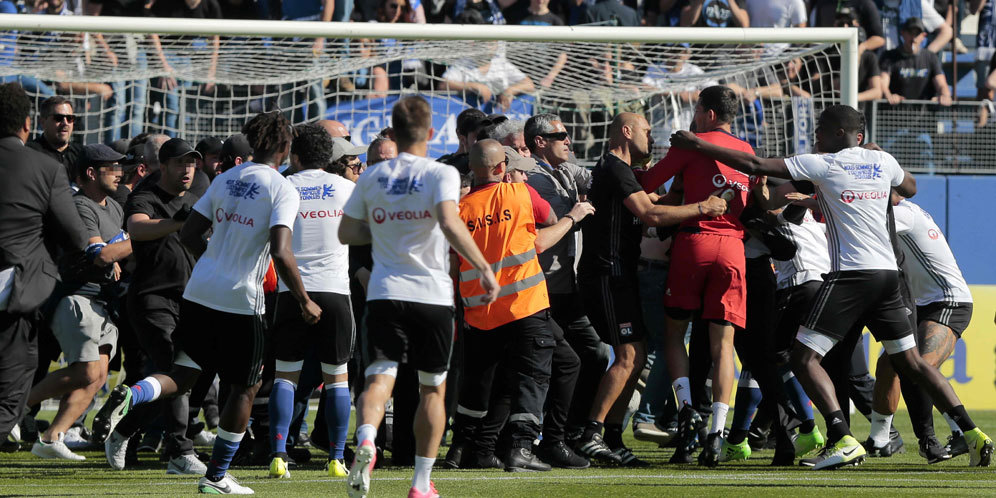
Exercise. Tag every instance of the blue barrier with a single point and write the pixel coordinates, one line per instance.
(971, 228)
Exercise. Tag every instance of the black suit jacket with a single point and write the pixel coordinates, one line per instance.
(35, 200)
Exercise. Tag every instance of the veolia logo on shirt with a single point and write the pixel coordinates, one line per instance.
(380, 215)
(933, 234)
(220, 215)
(720, 180)
(849, 196)
(325, 213)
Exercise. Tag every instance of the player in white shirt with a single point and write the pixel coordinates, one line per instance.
(853, 186)
(407, 208)
(943, 311)
(250, 209)
(323, 263)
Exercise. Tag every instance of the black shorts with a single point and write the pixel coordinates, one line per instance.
(955, 316)
(333, 335)
(230, 343)
(614, 308)
(418, 334)
(848, 300)
(791, 308)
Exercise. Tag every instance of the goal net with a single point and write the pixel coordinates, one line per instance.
(208, 78)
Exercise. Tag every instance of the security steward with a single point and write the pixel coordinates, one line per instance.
(515, 330)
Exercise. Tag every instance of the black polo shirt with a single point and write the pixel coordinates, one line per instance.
(613, 234)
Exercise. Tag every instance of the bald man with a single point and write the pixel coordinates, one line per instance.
(607, 274)
(502, 219)
(335, 128)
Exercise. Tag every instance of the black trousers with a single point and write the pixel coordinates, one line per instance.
(568, 311)
(525, 347)
(18, 361)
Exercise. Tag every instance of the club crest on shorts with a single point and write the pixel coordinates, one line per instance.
(626, 329)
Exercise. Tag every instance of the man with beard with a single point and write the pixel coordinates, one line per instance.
(57, 120)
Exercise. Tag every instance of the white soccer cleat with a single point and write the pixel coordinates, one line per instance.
(115, 449)
(847, 451)
(358, 480)
(186, 465)
(55, 449)
(226, 486)
(75, 440)
(204, 438)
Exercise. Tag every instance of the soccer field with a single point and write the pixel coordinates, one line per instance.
(21, 474)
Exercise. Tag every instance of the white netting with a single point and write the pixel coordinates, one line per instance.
(356, 80)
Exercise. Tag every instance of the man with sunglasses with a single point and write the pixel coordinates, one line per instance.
(345, 161)
(57, 120)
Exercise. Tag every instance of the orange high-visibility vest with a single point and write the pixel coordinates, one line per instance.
(500, 220)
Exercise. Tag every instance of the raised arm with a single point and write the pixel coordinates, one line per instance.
(738, 160)
(657, 215)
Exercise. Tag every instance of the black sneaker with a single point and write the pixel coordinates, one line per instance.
(956, 444)
(486, 461)
(783, 459)
(454, 457)
(523, 460)
(757, 438)
(931, 449)
(561, 456)
(681, 456)
(627, 458)
(711, 450)
(895, 446)
(595, 449)
(689, 424)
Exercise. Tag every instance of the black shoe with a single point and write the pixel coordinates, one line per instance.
(482, 461)
(454, 457)
(300, 456)
(523, 459)
(680, 456)
(931, 449)
(893, 447)
(711, 450)
(627, 458)
(786, 459)
(595, 449)
(561, 456)
(114, 409)
(956, 444)
(29, 429)
(757, 438)
(689, 424)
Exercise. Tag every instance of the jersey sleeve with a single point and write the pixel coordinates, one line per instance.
(447, 186)
(807, 166)
(665, 169)
(356, 206)
(286, 200)
(541, 208)
(904, 216)
(625, 180)
(203, 204)
(896, 173)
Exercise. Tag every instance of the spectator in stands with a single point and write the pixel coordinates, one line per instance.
(611, 11)
(985, 52)
(708, 13)
(911, 73)
(895, 14)
(82, 321)
(8, 52)
(57, 121)
(863, 13)
(776, 14)
(209, 148)
(489, 10)
(663, 76)
(869, 74)
(497, 81)
(540, 15)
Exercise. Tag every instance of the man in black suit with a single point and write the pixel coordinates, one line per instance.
(35, 202)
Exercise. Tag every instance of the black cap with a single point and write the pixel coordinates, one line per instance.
(914, 25)
(134, 157)
(236, 145)
(120, 146)
(176, 147)
(94, 154)
(209, 145)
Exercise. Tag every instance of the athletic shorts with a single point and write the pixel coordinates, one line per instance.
(849, 299)
(791, 308)
(418, 334)
(614, 308)
(955, 316)
(82, 326)
(707, 274)
(230, 343)
(333, 335)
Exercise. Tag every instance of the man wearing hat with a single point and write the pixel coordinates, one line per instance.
(911, 73)
(235, 151)
(177, 149)
(81, 321)
(344, 161)
(210, 151)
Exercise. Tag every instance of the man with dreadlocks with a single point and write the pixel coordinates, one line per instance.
(251, 209)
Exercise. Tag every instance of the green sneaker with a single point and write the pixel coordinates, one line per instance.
(980, 448)
(847, 451)
(805, 443)
(735, 452)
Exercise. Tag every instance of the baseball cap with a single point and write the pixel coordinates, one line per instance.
(517, 161)
(134, 157)
(236, 145)
(120, 145)
(176, 147)
(209, 145)
(342, 147)
(914, 25)
(98, 154)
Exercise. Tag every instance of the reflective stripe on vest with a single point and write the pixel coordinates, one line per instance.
(507, 261)
(512, 288)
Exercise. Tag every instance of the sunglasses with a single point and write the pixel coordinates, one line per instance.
(70, 118)
(348, 138)
(559, 136)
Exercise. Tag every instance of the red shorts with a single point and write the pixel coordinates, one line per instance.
(707, 273)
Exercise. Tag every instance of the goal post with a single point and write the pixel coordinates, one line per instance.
(783, 75)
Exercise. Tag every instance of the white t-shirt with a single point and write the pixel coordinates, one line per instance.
(934, 273)
(322, 260)
(398, 198)
(853, 187)
(775, 14)
(500, 75)
(811, 259)
(242, 203)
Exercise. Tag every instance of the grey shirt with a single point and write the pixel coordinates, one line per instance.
(560, 187)
(98, 221)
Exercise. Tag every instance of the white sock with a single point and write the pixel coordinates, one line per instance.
(682, 391)
(880, 428)
(423, 469)
(951, 423)
(719, 411)
(365, 432)
(157, 388)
